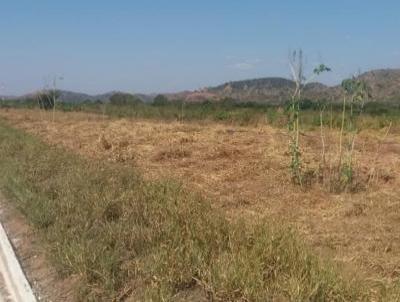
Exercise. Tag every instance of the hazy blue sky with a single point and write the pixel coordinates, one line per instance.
(160, 46)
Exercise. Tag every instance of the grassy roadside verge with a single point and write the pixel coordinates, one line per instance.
(122, 235)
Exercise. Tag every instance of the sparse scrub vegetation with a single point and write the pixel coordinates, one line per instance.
(125, 236)
(339, 174)
(356, 92)
(375, 116)
(296, 64)
(336, 172)
(45, 99)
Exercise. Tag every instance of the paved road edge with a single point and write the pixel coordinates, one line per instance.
(15, 280)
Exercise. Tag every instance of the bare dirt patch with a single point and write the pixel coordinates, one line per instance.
(244, 170)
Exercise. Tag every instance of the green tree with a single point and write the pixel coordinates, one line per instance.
(121, 98)
(160, 100)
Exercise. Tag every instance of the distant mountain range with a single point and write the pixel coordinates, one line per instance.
(384, 84)
(79, 97)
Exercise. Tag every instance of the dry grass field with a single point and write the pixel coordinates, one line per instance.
(244, 171)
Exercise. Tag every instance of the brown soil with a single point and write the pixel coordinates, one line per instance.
(45, 281)
(244, 170)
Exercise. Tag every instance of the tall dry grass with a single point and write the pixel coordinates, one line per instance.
(124, 236)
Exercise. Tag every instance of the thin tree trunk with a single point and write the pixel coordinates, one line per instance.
(341, 135)
(322, 137)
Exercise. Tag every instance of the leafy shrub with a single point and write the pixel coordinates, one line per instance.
(120, 98)
(160, 100)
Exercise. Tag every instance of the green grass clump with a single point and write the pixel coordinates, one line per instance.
(153, 240)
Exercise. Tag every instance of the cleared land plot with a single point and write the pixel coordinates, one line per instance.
(243, 170)
(124, 238)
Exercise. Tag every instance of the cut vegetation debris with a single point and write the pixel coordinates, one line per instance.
(126, 237)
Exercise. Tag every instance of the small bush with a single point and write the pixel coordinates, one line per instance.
(122, 99)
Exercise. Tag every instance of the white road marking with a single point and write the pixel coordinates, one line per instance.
(15, 283)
